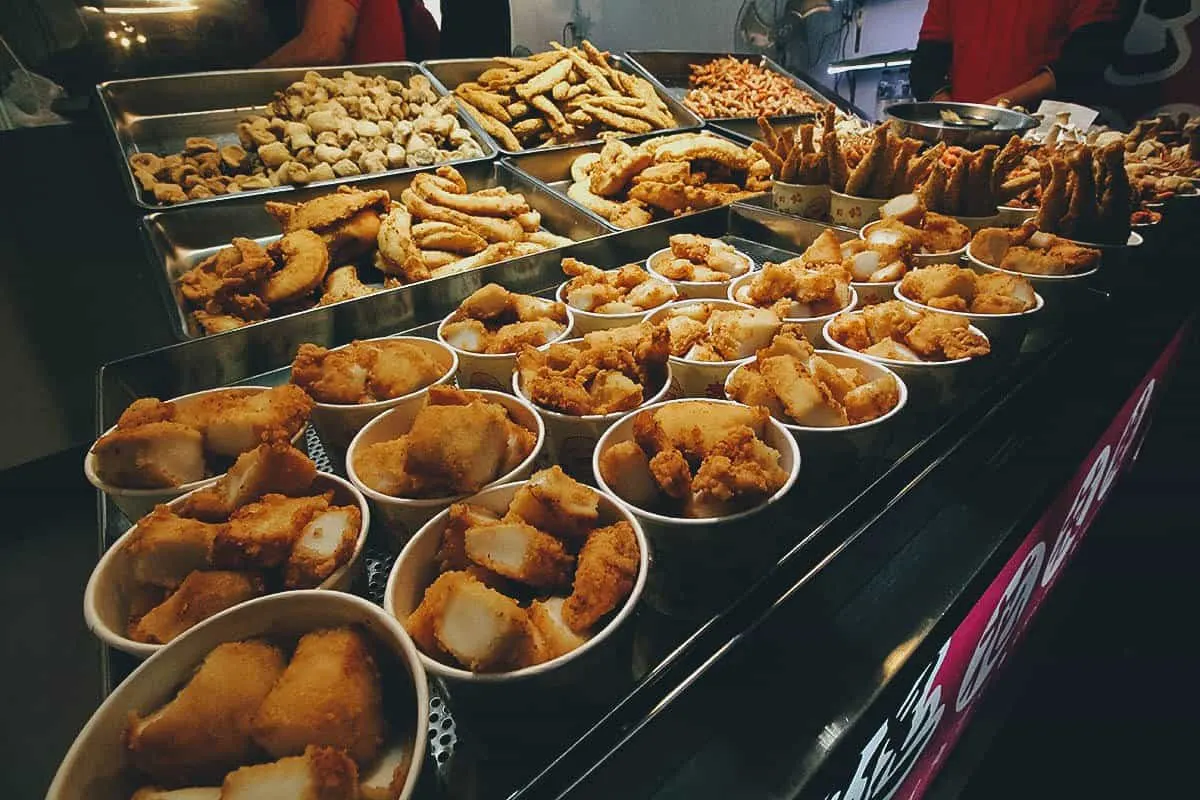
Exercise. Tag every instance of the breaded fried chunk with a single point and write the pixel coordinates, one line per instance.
(269, 468)
(321, 773)
(520, 551)
(325, 543)
(201, 595)
(608, 566)
(235, 422)
(164, 547)
(150, 456)
(261, 534)
(484, 630)
(552, 501)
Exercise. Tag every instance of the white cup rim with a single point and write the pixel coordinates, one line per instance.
(435, 667)
(693, 284)
(689, 522)
(1039, 303)
(1029, 276)
(496, 356)
(892, 362)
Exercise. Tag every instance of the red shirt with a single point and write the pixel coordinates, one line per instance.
(379, 33)
(999, 44)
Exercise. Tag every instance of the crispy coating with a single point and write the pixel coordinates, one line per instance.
(165, 548)
(327, 210)
(939, 280)
(235, 421)
(871, 400)
(608, 567)
(495, 320)
(553, 502)
(321, 773)
(271, 467)
(325, 543)
(205, 730)
(694, 427)
(521, 552)
(939, 334)
(329, 695)
(364, 372)
(557, 638)
(672, 473)
(201, 595)
(230, 270)
(343, 284)
(624, 290)
(740, 466)
(482, 629)
(618, 164)
(150, 456)
(626, 470)
(305, 260)
(261, 534)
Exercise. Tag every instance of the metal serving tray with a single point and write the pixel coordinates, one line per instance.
(670, 69)
(449, 73)
(178, 239)
(551, 167)
(158, 114)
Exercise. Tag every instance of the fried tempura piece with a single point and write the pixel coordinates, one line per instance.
(199, 596)
(554, 502)
(321, 773)
(456, 449)
(618, 164)
(204, 731)
(481, 628)
(401, 368)
(151, 456)
(330, 694)
(421, 624)
(608, 567)
(520, 551)
(740, 465)
(164, 548)
(324, 545)
(871, 400)
(694, 427)
(238, 420)
(939, 281)
(275, 467)
(546, 617)
(626, 470)
(261, 534)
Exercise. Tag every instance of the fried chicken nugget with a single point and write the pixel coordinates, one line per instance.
(261, 534)
(482, 629)
(546, 617)
(456, 449)
(608, 567)
(275, 467)
(165, 548)
(554, 502)
(321, 773)
(204, 731)
(626, 470)
(520, 551)
(672, 473)
(325, 543)
(871, 400)
(741, 465)
(238, 420)
(201, 595)
(151, 456)
(330, 694)
(694, 427)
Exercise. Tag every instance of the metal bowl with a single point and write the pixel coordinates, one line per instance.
(981, 124)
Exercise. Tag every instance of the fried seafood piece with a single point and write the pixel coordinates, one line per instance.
(452, 552)
(996, 291)
(205, 730)
(703, 147)
(363, 372)
(456, 449)
(398, 252)
(482, 629)
(608, 567)
(261, 534)
(939, 281)
(553, 502)
(353, 238)
(521, 552)
(321, 773)
(804, 398)
(150, 456)
(694, 427)
(304, 259)
(382, 467)
(615, 291)
(890, 348)
(749, 387)
(672, 473)
(237, 268)
(325, 544)
(201, 595)
(618, 163)
(330, 695)
(327, 210)
(892, 319)
(739, 466)
(871, 400)
(421, 624)
(271, 467)
(165, 548)
(942, 335)
(558, 639)
(237, 420)
(343, 284)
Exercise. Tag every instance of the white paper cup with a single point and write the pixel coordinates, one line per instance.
(920, 259)
(1056, 289)
(588, 321)
(106, 599)
(1013, 216)
(691, 378)
(137, 503)
(976, 224)
(814, 327)
(416, 568)
(853, 212)
(570, 439)
(691, 556)
(337, 423)
(997, 327)
(871, 293)
(491, 371)
(97, 767)
(693, 290)
(401, 516)
(802, 199)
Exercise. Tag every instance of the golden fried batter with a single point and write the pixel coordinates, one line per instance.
(201, 595)
(261, 534)
(327, 210)
(321, 773)
(272, 467)
(608, 567)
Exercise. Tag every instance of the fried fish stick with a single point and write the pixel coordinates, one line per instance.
(485, 101)
(980, 202)
(492, 126)
(933, 192)
(1054, 196)
(956, 187)
(618, 121)
(1007, 159)
(1080, 219)
(554, 116)
(770, 138)
(860, 178)
(920, 169)
(493, 229)
(904, 155)
(1116, 199)
(881, 181)
(836, 161)
(791, 165)
(771, 156)
(806, 138)
(1011, 188)
(544, 81)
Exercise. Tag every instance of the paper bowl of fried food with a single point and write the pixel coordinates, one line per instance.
(697, 266)
(491, 325)
(999, 304)
(413, 461)
(602, 300)
(709, 338)
(803, 200)
(851, 211)
(1057, 268)
(694, 472)
(806, 294)
(271, 522)
(159, 450)
(354, 383)
(582, 386)
(300, 694)
(916, 234)
(523, 587)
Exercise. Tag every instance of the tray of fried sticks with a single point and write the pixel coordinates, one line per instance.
(562, 96)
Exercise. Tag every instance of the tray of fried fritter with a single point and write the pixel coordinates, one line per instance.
(233, 264)
(630, 183)
(566, 95)
(206, 136)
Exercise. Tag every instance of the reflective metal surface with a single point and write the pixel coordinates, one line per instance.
(924, 121)
(158, 114)
(450, 72)
(178, 239)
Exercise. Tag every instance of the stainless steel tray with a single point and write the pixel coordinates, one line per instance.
(158, 114)
(178, 239)
(551, 167)
(449, 73)
(670, 69)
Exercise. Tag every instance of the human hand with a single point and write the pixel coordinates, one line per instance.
(941, 96)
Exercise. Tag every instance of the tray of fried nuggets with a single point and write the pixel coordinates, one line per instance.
(378, 233)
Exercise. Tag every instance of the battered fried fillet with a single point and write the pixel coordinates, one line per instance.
(324, 545)
(321, 773)
(799, 392)
(940, 334)
(696, 147)
(150, 456)
(520, 551)
(452, 553)
(482, 629)
(749, 387)
(694, 427)
(353, 238)
(942, 234)
(456, 449)
(421, 624)
(343, 284)
(939, 281)
(546, 617)
(615, 291)
(739, 466)
(238, 267)
(737, 334)
(201, 595)
(205, 730)
(825, 249)
(261, 534)
(672, 473)
(330, 694)
(850, 330)
(364, 372)
(892, 319)
(236, 421)
(608, 567)
(155, 793)
(384, 780)
(304, 260)
(554, 502)
(996, 291)
(326, 210)
(274, 467)
(618, 164)
(871, 400)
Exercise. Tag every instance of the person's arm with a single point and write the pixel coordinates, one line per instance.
(324, 38)
(929, 74)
